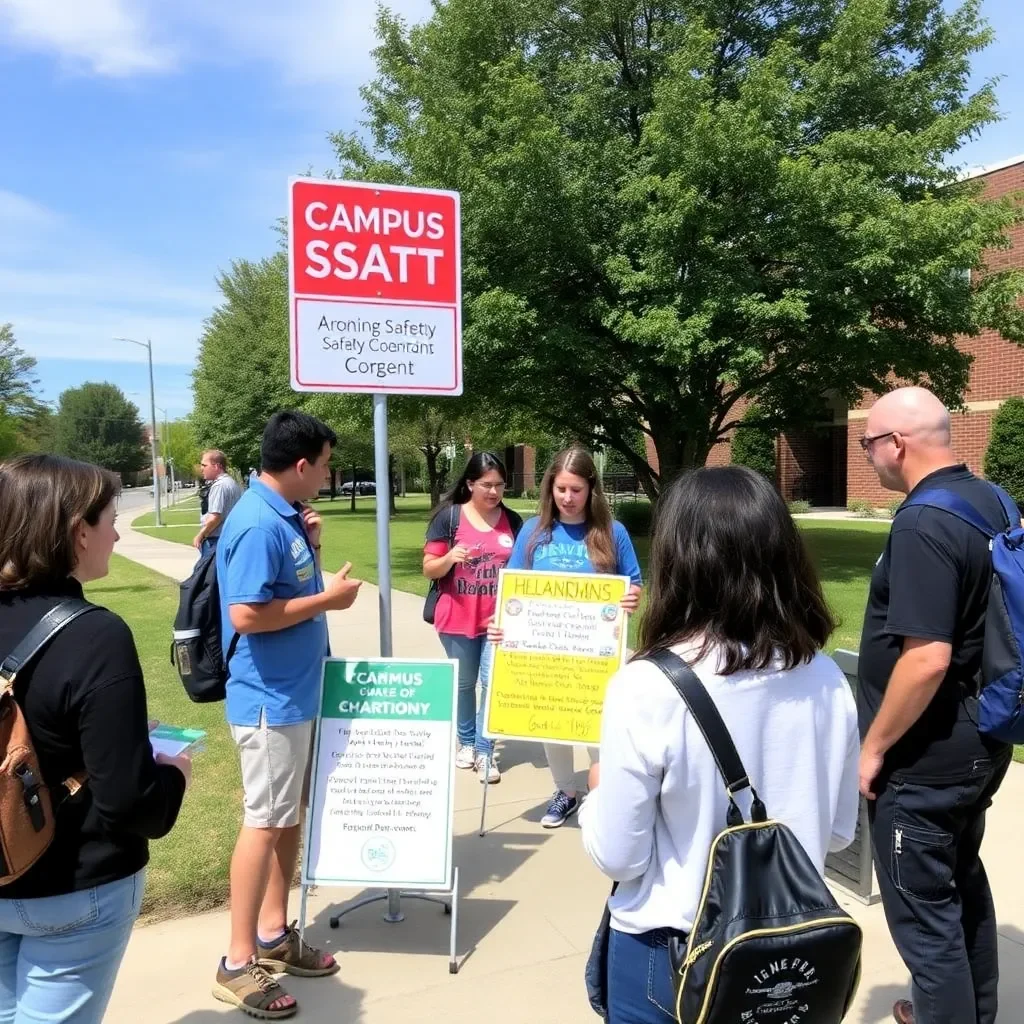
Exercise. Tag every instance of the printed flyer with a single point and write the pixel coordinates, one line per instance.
(381, 806)
(565, 637)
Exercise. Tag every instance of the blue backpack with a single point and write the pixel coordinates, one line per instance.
(1001, 695)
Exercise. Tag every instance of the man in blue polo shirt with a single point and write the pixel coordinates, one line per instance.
(273, 597)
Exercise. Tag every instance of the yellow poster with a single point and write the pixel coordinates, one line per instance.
(565, 637)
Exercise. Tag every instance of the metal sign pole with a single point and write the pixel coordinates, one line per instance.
(383, 488)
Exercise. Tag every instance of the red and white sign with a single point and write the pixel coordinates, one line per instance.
(375, 288)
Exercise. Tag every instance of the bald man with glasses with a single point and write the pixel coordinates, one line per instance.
(927, 771)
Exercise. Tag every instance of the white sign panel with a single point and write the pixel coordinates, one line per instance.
(375, 288)
(381, 793)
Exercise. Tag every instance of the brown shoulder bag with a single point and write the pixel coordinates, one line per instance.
(26, 805)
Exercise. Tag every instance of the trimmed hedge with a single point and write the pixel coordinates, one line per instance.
(1004, 458)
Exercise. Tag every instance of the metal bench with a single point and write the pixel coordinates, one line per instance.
(851, 869)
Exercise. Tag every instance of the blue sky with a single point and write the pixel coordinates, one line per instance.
(146, 144)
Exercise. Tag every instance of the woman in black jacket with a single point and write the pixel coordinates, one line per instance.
(65, 923)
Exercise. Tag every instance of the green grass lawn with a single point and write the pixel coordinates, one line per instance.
(845, 551)
(189, 867)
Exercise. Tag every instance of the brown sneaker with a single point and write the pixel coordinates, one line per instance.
(293, 956)
(253, 991)
(903, 1011)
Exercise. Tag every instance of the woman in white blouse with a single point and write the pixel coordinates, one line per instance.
(734, 593)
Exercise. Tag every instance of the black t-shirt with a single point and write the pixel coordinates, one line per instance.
(84, 702)
(932, 582)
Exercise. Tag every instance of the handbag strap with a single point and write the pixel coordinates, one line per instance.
(709, 721)
(56, 619)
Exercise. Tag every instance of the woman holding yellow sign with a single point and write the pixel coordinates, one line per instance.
(575, 532)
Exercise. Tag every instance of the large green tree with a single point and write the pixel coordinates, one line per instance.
(241, 377)
(673, 205)
(96, 423)
(23, 417)
(18, 379)
(182, 448)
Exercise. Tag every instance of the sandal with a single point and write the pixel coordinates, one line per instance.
(252, 991)
(293, 956)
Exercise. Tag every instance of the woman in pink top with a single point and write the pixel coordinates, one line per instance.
(469, 540)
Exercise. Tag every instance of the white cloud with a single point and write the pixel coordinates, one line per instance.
(92, 332)
(105, 37)
(17, 210)
(120, 284)
(68, 294)
(310, 41)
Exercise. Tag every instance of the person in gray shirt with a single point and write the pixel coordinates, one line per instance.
(224, 493)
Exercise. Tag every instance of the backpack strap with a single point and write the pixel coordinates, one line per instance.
(709, 721)
(947, 501)
(38, 637)
(56, 619)
(454, 514)
(1010, 509)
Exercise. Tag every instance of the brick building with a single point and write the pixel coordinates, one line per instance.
(826, 466)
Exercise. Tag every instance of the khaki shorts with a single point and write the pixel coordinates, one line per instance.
(275, 772)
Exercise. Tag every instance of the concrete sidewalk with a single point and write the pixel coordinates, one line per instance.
(530, 903)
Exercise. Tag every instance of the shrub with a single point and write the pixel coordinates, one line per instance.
(799, 508)
(532, 494)
(1004, 458)
(754, 447)
(860, 508)
(894, 506)
(635, 516)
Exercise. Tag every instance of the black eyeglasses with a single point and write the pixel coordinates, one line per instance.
(866, 442)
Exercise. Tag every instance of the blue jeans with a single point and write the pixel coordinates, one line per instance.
(59, 955)
(640, 979)
(475, 657)
(210, 544)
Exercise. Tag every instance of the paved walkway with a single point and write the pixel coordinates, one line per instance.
(531, 900)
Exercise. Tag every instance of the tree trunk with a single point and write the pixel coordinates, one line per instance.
(677, 453)
(391, 483)
(354, 470)
(334, 483)
(433, 480)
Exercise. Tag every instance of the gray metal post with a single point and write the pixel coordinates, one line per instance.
(152, 437)
(380, 462)
(382, 474)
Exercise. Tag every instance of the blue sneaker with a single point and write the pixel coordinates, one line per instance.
(560, 808)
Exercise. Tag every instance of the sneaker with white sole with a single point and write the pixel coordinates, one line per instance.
(486, 770)
(562, 807)
(466, 756)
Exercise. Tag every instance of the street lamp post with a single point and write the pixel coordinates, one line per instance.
(168, 475)
(148, 346)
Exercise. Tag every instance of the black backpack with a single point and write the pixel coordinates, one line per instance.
(196, 650)
(769, 942)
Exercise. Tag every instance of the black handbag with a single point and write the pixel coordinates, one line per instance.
(430, 604)
(595, 973)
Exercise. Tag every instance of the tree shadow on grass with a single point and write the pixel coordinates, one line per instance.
(844, 554)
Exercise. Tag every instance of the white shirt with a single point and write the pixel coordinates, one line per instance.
(661, 800)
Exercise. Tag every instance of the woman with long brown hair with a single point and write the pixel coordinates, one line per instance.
(574, 532)
(65, 922)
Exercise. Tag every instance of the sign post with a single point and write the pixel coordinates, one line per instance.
(565, 636)
(375, 307)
